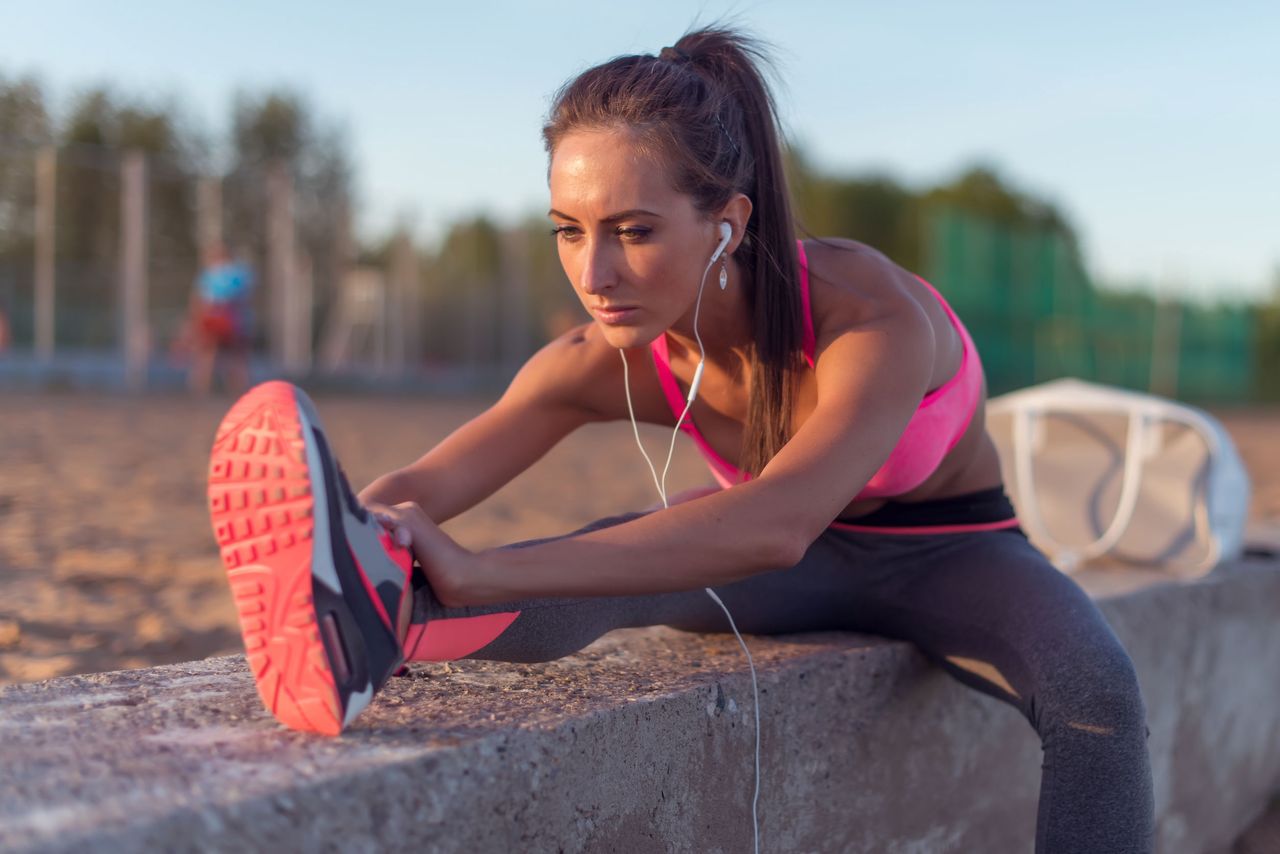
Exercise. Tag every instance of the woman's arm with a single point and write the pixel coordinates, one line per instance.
(682, 497)
(872, 372)
(544, 403)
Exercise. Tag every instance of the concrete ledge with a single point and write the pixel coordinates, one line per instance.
(644, 742)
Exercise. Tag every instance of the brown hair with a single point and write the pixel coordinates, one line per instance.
(703, 108)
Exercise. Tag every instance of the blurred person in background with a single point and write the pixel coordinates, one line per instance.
(837, 398)
(220, 321)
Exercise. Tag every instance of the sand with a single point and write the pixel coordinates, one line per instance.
(108, 562)
(107, 558)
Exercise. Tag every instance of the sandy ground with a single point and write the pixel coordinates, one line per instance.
(107, 560)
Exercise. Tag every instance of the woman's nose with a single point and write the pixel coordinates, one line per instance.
(598, 274)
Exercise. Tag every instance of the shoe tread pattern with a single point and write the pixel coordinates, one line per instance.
(262, 510)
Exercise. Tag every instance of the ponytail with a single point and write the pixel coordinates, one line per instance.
(705, 109)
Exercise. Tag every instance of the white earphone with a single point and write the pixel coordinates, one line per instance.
(726, 234)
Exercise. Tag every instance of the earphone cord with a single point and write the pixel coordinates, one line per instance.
(661, 484)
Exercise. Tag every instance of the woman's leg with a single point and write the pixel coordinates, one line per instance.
(987, 607)
(992, 611)
(812, 596)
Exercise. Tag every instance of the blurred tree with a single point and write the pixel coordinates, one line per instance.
(88, 188)
(274, 126)
(980, 191)
(553, 304)
(461, 299)
(99, 128)
(280, 127)
(874, 209)
(881, 212)
(24, 129)
(463, 289)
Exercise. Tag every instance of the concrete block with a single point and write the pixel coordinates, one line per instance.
(644, 742)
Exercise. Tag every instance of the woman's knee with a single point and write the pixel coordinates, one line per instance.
(1094, 691)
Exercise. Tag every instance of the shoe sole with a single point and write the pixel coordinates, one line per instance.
(276, 523)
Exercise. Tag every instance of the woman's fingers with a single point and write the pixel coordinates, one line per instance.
(411, 508)
(446, 563)
(393, 521)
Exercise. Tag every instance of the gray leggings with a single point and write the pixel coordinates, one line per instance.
(989, 597)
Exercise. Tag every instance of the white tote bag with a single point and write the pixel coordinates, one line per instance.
(1099, 472)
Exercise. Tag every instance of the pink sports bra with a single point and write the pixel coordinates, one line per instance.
(937, 425)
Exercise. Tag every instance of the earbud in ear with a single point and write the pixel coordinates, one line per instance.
(726, 234)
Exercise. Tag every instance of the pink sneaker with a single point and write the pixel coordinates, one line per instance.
(324, 594)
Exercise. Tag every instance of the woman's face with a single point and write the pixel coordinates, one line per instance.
(634, 248)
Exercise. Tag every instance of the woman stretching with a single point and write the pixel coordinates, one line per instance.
(836, 397)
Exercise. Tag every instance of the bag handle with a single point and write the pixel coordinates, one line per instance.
(1064, 557)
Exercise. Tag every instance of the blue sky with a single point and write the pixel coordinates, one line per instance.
(1154, 126)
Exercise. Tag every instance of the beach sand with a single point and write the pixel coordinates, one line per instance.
(108, 562)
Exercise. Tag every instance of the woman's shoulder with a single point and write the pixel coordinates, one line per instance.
(856, 287)
(576, 368)
(852, 284)
(848, 263)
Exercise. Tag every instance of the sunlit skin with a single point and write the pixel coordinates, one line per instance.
(654, 258)
(628, 239)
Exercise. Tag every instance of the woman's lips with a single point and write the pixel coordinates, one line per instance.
(615, 315)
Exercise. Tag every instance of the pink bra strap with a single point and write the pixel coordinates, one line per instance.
(670, 388)
(723, 470)
(810, 341)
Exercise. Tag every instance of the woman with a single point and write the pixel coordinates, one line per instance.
(866, 495)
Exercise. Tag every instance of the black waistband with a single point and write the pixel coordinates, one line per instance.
(985, 505)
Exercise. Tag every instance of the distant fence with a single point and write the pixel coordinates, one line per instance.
(1036, 316)
(99, 249)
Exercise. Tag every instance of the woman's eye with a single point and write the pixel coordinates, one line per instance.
(627, 233)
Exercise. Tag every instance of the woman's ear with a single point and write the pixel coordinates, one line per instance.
(736, 212)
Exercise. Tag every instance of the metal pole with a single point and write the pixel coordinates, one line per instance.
(209, 212)
(378, 312)
(133, 267)
(298, 299)
(404, 323)
(46, 224)
(343, 256)
(280, 262)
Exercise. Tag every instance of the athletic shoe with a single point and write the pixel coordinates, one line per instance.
(324, 594)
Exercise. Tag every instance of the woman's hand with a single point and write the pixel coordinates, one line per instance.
(448, 566)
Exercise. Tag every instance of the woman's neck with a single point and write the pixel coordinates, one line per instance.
(724, 321)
